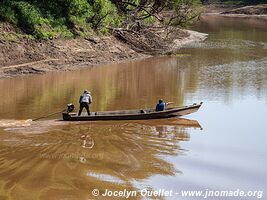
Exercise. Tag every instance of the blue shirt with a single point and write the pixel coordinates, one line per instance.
(161, 106)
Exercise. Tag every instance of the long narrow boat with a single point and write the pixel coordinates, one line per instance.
(133, 114)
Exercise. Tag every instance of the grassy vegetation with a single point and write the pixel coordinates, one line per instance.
(47, 19)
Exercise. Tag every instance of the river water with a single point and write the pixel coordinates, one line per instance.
(221, 147)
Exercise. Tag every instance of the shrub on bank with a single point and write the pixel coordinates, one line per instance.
(47, 19)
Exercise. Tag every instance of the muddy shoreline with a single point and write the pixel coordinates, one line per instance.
(23, 57)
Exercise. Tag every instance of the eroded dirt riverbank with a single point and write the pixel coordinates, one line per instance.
(21, 56)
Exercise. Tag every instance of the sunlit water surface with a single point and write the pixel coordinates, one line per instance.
(224, 150)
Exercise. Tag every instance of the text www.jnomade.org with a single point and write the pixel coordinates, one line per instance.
(182, 193)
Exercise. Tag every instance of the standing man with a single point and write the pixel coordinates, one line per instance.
(85, 101)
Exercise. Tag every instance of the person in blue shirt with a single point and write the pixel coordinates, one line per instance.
(161, 105)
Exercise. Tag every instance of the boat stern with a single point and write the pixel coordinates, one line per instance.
(66, 116)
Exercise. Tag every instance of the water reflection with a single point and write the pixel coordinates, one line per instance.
(250, 29)
(132, 86)
(112, 87)
(56, 165)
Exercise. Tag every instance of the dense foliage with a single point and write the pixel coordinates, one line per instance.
(47, 19)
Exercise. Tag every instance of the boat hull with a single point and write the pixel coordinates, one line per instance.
(142, 114)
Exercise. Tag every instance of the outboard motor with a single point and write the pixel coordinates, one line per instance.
(70, 107)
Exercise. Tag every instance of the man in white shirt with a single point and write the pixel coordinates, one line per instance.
(85, 101)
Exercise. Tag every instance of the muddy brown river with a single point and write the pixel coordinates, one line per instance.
(222, 147)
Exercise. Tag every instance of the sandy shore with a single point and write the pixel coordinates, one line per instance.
(254, 11)
(28, 57)
(244, 16)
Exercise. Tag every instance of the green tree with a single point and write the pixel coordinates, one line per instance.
(46, 19)
(169, 12)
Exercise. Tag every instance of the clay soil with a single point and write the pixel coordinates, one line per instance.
(21, 55)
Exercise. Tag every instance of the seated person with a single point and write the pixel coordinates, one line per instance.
(161, 105)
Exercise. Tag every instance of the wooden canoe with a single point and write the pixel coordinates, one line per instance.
(133, 114)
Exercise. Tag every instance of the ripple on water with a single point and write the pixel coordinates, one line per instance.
(106, 177)
(122, 152)
(30, 127)
(254, 72)
(15, 123)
